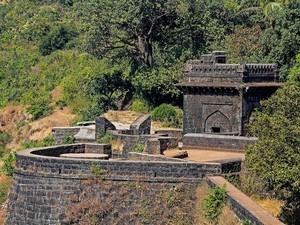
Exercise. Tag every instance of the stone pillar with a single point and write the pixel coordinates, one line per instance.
(101, 126)
(153, 146)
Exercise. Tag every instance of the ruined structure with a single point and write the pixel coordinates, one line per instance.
(219, 98)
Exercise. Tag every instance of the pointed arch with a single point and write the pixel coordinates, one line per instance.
(217, 122)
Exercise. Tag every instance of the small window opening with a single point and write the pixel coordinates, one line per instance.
(216, 129)
(220, 60)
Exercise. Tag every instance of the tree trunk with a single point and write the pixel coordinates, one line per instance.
(145, 47)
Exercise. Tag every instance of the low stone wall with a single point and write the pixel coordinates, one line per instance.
(224, 142)
(243, 206)
(44, 184)
(129, 141)
(60, 132)
(178, 133)
(98, 148)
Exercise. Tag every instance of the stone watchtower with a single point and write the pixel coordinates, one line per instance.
(219, 98)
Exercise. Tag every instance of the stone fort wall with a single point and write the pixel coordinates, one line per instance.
(44, 186)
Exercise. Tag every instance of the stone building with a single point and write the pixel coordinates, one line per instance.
(219, 97)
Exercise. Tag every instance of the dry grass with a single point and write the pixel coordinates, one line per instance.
(15, 121)
(271, 205)
(125, 117)
(117, 146)
(227, 216)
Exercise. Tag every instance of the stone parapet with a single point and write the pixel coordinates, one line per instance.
(142, 125)
(101, 126)
(224, 142)
(59, 133)
(243, 206)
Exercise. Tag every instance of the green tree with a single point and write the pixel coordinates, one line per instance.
(57, 38)
(267, 7)
(275, 157)
(130, 27)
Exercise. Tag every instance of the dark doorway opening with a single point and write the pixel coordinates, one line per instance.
(216, 129)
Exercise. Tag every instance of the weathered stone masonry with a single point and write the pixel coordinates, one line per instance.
(43, 185)
(219, 97)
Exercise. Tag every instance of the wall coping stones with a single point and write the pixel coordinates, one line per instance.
(213, 141)
(35, 161)
(86, 123)
(244, 207)
(142, 125)
(220, 136)
(86, 133)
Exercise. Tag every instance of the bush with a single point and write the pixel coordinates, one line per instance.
(39, 109)
(140, 105)
(107, 138)
(4, 188)
(214, 203)
(5, 138)
(68, 139)
(98, 172)
(3, 151)
(138, 147)
(170, 115)
(8, 164)
(47, 141)
(57, 38)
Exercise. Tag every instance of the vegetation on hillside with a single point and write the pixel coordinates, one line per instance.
(274, 159)
(103, 54)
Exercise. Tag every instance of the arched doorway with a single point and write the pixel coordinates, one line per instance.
(217, 122)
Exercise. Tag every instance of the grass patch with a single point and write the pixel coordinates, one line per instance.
(270, 204)
(138, 147)
(4, 188)
(226, 217)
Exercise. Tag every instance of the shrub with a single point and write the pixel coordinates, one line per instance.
(8, 163)
(68, 139)
(30, 144)
(4, 187)
(61, 103)
(140, 105)
(56, 39)
(138, 147)
(170, 115)
(47, 141)
(107, 138)
(214, 202)
(39, 109)
(3, 151)
(98, 172)
(5, 138)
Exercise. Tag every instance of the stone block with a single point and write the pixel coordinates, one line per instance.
(101, 126)
(142, 125)
(153, 146)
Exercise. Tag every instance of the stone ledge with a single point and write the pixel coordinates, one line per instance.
(230, 143)
(244, 207)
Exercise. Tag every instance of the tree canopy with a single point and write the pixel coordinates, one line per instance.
(275, 157)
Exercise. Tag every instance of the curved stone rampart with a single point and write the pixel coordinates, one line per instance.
(45, 184)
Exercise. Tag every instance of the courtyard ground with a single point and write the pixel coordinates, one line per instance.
(205, 155)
